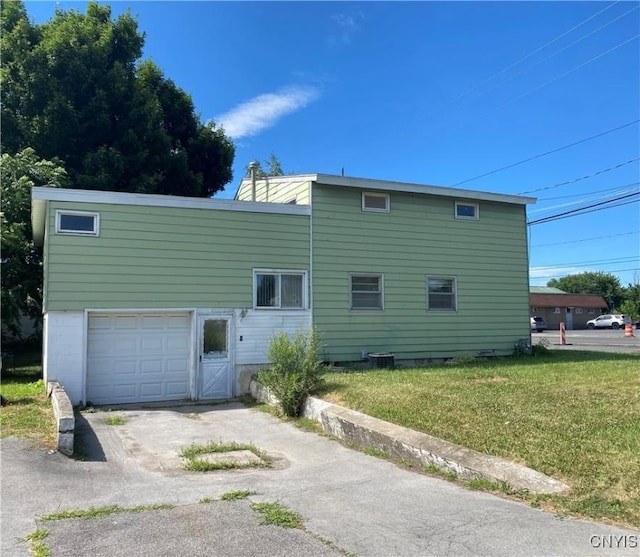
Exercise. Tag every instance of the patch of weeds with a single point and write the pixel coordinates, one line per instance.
(194, 464)
(99, 512)
(378, 453)
(278, 515)
(308, 425)
(37, 547)
(432, 469)
(236, 495)
(115, 420)
(206, 500)
(486, 485)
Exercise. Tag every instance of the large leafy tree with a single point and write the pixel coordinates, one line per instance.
(21, 260)
(593, 282)
(74, 89)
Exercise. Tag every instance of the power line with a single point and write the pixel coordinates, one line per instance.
(577, 180)
(629, 188)
(585, 239)
(577, 194)
(595, 262)
(585, 210)
(548, 153)
(608, 271)
(568, 71)
(518, 62)
(555, 53)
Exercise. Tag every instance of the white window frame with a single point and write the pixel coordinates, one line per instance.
(455, 292)
(380, 291)
(96, 223)
(279, 272)
(556, 310)
(579, 310)
(476, 210)
(384, 196)
(591, 310)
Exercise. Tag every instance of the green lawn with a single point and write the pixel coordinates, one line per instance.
(572, 415)
(28, 412)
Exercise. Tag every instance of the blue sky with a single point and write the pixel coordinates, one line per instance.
(428, 92)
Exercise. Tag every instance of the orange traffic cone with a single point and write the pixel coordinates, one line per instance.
(628, 330)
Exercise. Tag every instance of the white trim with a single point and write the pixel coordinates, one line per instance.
(231, 348)
(476, 210)
(455, 293)
(381, 291)
(70, 232)
(262, 271)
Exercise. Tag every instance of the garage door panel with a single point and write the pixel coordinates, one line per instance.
(138, 358)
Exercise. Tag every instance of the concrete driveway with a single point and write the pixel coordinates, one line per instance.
(351, 503)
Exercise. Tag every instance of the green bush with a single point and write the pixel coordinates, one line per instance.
(295, 372)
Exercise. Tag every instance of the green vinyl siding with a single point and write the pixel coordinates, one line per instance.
(163, 257)
(273, 191)
(419, 237)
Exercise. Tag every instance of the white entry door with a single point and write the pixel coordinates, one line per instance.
(216, 357)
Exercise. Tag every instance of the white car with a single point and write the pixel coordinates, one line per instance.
(608, 321)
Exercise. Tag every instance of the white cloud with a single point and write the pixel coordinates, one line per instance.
(347, 25)
(257, 114)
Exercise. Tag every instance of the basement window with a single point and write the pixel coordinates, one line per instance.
(77, 223)
(375, 202)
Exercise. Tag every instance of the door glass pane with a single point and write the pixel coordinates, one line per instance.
(215, 338)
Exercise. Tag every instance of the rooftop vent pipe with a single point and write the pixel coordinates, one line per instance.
(253, 168)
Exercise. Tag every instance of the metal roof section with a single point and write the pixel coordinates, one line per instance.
(390, 186)
(545, 290)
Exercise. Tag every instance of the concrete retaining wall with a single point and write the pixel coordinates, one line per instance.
(65, 419)
(419, 448)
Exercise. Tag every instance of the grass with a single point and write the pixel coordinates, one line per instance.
(236, 495)
(28, 413)
(571, 415)
(195, 464)
(99, 512)
(115, 420)
(278, 515)
(37, 547)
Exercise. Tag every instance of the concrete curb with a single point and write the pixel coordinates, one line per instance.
(418, 448)
(65, 418)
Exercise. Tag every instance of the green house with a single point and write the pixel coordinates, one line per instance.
(155, 298)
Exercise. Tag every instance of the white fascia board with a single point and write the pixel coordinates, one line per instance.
(384, 185)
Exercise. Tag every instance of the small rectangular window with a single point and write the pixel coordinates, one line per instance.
(376, 202)
(556, 310)
(579, 310)
(367, 292)
(77, 222)
(279, 290)
(592, 310)
(467, 210)
(442, 294)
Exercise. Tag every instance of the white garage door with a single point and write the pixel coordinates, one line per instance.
(140, 357)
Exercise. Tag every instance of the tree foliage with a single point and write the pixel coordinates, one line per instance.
(21, 260)
(272, 168)
(74, 89)
(593, 282)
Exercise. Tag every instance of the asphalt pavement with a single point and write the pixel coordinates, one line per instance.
(602, 340)
(351, 503)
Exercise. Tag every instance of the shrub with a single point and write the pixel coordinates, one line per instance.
(295, 372)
